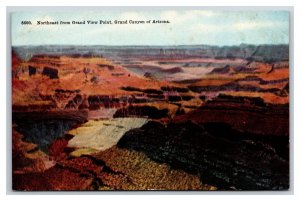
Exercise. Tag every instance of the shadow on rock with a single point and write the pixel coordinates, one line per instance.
(222, 157)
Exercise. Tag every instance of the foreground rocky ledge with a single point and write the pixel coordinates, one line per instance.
(218, 154)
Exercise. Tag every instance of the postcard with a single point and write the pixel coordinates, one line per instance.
(150, 99)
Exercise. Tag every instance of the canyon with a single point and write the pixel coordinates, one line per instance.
(150, 118)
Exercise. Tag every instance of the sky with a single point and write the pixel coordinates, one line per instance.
(186, 27)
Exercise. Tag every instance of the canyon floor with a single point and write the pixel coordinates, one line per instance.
(149, 120)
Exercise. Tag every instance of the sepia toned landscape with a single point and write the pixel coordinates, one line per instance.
(182, 117)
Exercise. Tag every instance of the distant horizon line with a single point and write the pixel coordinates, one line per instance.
(242, 44)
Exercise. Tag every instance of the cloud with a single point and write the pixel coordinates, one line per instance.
(207, 28)
(245, 26)
(255, 25)
(204, 13)
(132, 16)
(177, 17)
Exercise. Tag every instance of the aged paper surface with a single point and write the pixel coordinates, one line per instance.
(159, 99)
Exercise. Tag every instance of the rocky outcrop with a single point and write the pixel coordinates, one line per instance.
(66, 98)
(173, 70)
(244, 114)
(144, 111)
(77, 116)
(222, 70)
(175, 89)
(113, 169)
(96, 102)
(52, 73)
(174, 98)
(286, 90)
(47, 105)
(26, 156)
(55, 178)
(147, 91)
(232, 86)
(32, 70)
(108, 66)
(225, 157)
(75, 102)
